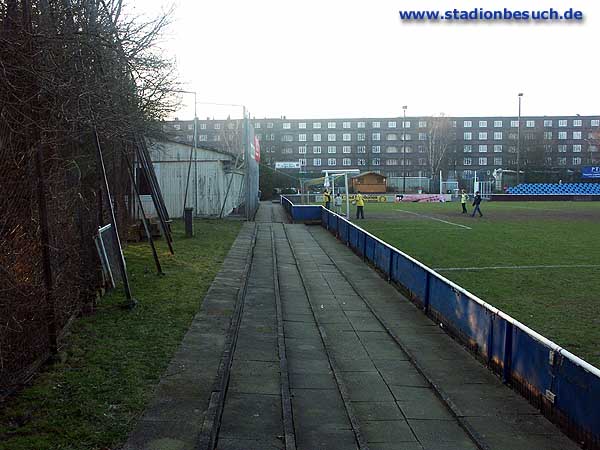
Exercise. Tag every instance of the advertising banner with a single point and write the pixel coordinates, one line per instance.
(590, 172)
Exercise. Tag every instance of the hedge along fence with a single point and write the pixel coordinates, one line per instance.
(564, 387)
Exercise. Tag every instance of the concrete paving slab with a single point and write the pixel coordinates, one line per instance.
(251, 416)
(387, 431)
(420, 403)
(254, 377)
(162, 435)
(435, 433)
(250, 444)
(312, 381)
(376, 411)
(367, 386)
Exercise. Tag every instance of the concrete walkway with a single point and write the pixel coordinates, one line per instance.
(300, 345)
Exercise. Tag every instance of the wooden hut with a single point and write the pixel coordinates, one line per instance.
(370, 183)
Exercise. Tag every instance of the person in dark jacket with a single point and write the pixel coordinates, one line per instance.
(476, 203)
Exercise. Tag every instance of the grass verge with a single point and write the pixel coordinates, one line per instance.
(113, 359)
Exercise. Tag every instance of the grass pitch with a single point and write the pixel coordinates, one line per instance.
(537, 261)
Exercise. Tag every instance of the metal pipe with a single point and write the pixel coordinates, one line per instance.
(404, 149)
(519, 139)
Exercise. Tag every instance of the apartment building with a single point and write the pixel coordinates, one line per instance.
(397, 147)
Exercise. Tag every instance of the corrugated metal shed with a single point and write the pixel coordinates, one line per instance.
(215, 183)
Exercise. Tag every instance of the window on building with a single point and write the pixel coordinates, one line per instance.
(407, 124)
(376, 136)
(256, 126)
(391, 150)
(421, 148)
(467, 124)
(407, 136)
(530, 123)
(497, 160)
(346, 162)
(453, 123)
(392, 124)
(316, 125)
(203, 137)
(497, 124)
(391, 162)
(483, 148)
(190, 137)
(302, 162)
(562, 123)
(548, 135)
(331, 161)
(576, 161)
(595, 123)
(375, 149)
(346, 125)
(498, 148)
(407, 149)
(376, 124)
(467, 148)
(483, 124)
(346, 149)
(361, 149)
(317, 149)
(497, 135)
(376, 161)
(269, 124)
(562, 134)
(302, 137)
(577, 123)
(483, 135)
(331, 137)
(577, 148)
(513, 136)
(548, 160)
(547, 122)
(391, 137)
(331, 125)
(316, 137)
(302, 125)
(483, 161)
(217, 126)
(360, 137)
(347, 137)
(467, 136)
(562, 148)
(287, 138)
(561, 161)
(467, 174)
(302, 149)
(422, 161)
(422, 136)
(331, 149)
(316, 161)
(514, 124)
(423, 123)
(360, 125)
(576, 134)
(467, 161)
(287, 125)
(287, 151)
(190, 126)
(361, 162)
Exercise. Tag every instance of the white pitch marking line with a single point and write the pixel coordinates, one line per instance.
(434, 218)
(557, 266)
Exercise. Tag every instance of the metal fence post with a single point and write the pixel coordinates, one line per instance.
(507, 359)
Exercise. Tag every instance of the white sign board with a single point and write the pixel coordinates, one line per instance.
(287, 165)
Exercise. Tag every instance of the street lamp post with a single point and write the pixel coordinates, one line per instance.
(404, 149)
(519, 139)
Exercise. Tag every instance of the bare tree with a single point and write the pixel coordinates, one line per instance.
(438, 140)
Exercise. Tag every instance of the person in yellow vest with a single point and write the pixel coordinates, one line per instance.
(327, 199)
(360, 204)
(463, 201)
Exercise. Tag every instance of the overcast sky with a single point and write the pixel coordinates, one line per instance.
(350, 58)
